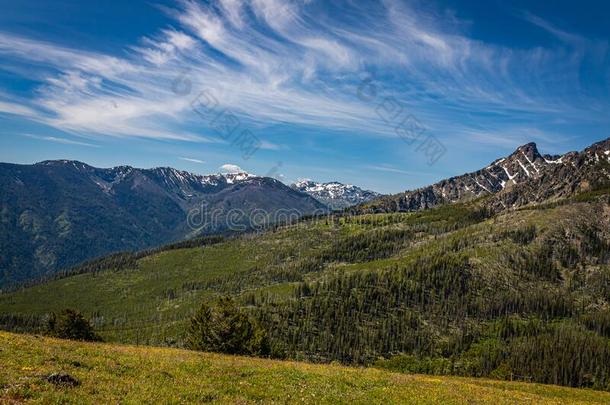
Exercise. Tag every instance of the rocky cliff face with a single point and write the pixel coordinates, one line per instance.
(522, 178)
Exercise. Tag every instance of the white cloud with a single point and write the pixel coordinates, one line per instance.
(64, 141)
(233, 10)
(162, 50)
(231, 168)
(391, 169)
(562, 35)
(16, 109)
(306, 73)
(271, 146)
(192, 160)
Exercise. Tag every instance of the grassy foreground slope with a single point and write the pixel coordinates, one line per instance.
(128, 374)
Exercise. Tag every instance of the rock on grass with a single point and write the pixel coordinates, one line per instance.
(62, 380)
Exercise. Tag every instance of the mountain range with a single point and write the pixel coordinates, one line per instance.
(335, 195)
(55, 214)
(522, 178)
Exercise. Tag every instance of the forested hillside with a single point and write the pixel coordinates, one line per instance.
(458, 290)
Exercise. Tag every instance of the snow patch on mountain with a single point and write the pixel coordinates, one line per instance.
(237, 177)
(334, 194)
(523, 177)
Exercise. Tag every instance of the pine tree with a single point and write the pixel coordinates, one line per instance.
(222, 327)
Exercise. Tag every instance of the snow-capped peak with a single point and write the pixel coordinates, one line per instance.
(237, 177)
(334, 194)
(304, 183)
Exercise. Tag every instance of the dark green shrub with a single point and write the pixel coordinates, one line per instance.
(70, 324)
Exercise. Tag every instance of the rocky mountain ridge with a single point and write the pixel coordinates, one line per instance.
(524, 177)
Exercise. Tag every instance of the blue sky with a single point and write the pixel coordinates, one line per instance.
(317, 88)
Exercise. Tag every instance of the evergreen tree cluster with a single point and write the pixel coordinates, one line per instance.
(70, 324)
(224, 328)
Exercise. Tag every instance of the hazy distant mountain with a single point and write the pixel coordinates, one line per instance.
(335, 195)
(55, 214)
(519, 179)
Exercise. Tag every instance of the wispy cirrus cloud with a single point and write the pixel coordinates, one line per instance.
(192, 160)
(13, 108)
(392, 169)
(64, 141)
(296, 63)
(558, 33)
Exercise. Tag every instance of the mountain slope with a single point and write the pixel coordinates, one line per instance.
(335, 195)
(522, 178)
(457, 289)
(117, 374)
(55, 214)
